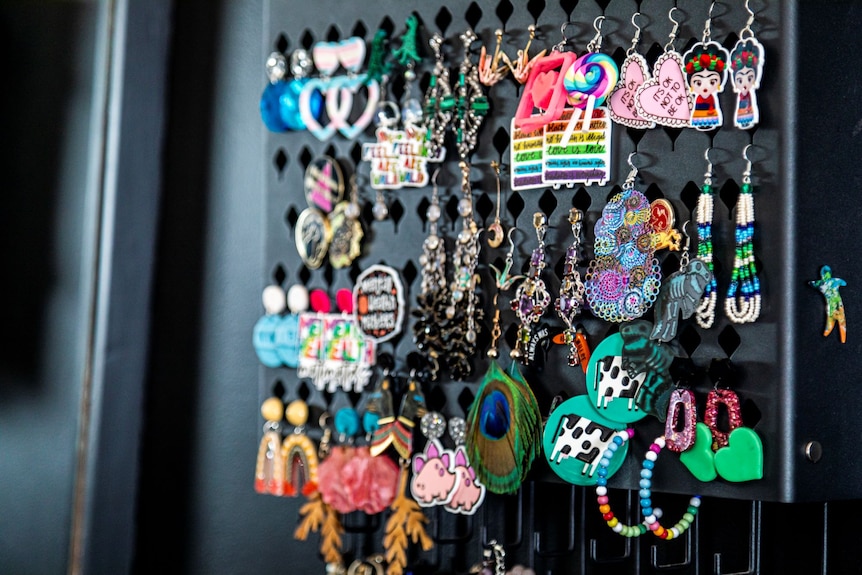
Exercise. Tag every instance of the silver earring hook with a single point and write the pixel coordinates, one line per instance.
(565, 41)
(707, 177)
(669, 45)
(746, 175)
(747, 32)
(630, 179)
(596, 43)
(708, 25)
(637, 37)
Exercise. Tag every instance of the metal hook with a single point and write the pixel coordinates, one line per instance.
(669, 45)
(746, 175)
(570, 515)
(596, 43)
(565, 39)
(708, 25)
(747, 32)
(630, 179)
(627, 547)
(637, 36)
(707, 177)
(434, 177)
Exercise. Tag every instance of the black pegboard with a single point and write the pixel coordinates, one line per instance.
(671, 164)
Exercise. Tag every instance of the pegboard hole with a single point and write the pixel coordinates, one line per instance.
(328, 274)
(484, 206)
(281, 43)
(422, 210)
(304, 274)
(465, 399)
(356, 153)
(582, 201)
(280, 162)
(305, 157)
(443, 19)
(548, 203)
(568, 7)
(409, 273)
(504, 11)
(669, 265)
(690, 195)
(387, 25)
(307, 39)
(278, 389)
(751, 414)
(535, 8)
(635, 135)
(653, 192)
(501, 140)
(515, 205)
(303, 391)
(729, 340)
(359, 29)
(291, 217)
(435, 399)
(279, 274)
(333, 34)
(673, 134)
(396, 212)
(473, 15)
(689, 339)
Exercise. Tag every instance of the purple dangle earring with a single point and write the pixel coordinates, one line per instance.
(531, 298)
(570, 302)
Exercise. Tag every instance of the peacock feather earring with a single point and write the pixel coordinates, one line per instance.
(503, 424)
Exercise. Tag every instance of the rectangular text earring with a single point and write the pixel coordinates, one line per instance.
(742, 304)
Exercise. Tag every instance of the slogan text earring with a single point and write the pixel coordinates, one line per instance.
(705, 313)
(746, 65)
(622, 105)
(742, 304)
(663, 99)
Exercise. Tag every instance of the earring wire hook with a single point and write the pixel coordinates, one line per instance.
(637, 37)
(673, 32)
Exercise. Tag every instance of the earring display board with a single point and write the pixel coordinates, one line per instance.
(777, 365)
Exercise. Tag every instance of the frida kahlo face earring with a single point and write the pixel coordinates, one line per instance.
(746, 65)
(706, 71)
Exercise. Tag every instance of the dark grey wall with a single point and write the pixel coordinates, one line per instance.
(197, 498)
(49, 69)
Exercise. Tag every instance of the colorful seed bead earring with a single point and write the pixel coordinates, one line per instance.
(743, 301)
(705, 313)
(649, 512)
